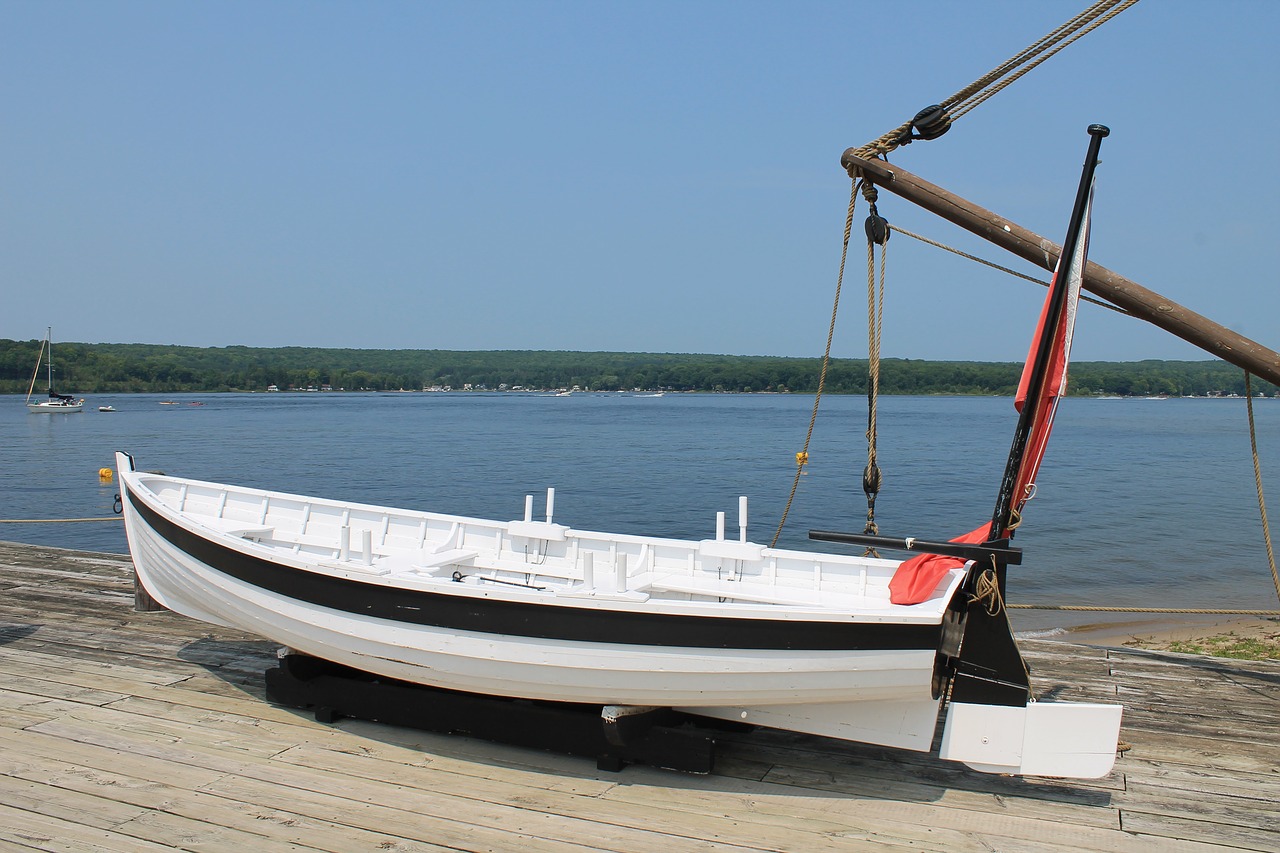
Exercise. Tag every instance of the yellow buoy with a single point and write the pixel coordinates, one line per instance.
(105, 474)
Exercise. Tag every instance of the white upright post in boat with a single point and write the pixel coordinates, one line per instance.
(551, 503)
(528, 507)
(588, 570)
(742, 518)
(620, 574)
(366, 547)
(344, 543)
(719, 526)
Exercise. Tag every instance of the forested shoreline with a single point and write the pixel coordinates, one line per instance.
(81, 368)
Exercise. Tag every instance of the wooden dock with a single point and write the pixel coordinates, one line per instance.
(147, 731)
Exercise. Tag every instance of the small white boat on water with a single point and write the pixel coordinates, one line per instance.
(54, 403)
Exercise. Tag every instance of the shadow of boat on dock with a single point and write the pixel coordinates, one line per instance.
(759, 760)
(11, 633)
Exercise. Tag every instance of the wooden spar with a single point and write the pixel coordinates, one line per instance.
(1115, 288)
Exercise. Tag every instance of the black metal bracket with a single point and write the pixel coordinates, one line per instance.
(997, 549)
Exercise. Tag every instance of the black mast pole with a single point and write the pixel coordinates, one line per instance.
(1003, 514)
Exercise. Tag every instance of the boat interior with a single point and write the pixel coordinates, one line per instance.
(540, 557)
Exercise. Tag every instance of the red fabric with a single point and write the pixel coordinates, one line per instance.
(917, 578)
(1058, 362)
(1055, 380)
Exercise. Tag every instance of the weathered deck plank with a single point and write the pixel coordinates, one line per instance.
(128, 731)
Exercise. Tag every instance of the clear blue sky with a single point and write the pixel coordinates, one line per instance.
(645, 176)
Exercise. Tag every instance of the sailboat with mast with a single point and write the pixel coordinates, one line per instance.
(852, 647)
(54, 403)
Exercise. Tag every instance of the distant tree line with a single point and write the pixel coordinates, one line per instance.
(116, 368)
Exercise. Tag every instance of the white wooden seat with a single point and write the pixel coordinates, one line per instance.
(236, 527)
(425, 562)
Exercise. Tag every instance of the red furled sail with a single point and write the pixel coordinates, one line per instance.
(1045, 379)
(1054, 385)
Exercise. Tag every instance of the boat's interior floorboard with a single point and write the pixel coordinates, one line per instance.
(147, 731)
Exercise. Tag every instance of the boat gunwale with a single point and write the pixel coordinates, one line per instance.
(927, 612)
(878, 563)
(570, 618)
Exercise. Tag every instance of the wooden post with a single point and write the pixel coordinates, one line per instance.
(1137, 300)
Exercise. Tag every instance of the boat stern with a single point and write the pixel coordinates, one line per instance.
(993, 722)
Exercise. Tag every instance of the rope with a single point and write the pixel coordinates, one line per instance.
(1090, 609)
(1011, 69)
(1257, 478)
(871, 475)
(1266, 535)
(802, 458)
(56, 520)
(993, 265)
(1073, 30)
(986, 591)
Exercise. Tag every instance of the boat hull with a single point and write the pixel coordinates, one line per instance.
(586, 660)
(732, 635)
(55, 408)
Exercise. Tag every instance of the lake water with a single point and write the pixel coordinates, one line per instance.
(1141, 502)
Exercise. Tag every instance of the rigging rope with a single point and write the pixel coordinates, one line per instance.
(802, 458)
(877, 235)
(994, 265)
(931, 123)
(1266, 536)
(935, 121)
(56, 520)
(1257, 478)
(1181, 610)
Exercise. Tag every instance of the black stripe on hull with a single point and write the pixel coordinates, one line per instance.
(530, 619)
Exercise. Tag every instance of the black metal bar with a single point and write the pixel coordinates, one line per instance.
(1003, 514)
(979, 553)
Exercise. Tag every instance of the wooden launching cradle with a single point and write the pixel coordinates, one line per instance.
(147, 731)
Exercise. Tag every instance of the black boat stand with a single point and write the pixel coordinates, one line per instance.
(614, 735)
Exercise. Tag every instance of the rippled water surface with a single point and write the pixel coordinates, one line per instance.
(1142, 502)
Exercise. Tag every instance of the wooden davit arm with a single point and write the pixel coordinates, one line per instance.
(1142, 303)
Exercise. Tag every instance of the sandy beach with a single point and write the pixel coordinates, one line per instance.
(1180, 632)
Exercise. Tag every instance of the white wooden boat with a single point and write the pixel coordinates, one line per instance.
(54, 403)
(849, 647)
(530, 608)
